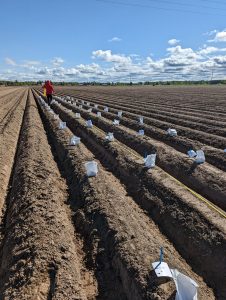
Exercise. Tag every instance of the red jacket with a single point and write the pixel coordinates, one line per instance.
(49, 88)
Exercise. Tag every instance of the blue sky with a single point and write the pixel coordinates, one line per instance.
(104, 40)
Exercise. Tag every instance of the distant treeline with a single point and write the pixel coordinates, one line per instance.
(153, 83)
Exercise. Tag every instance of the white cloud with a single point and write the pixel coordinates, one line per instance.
(209, 33)
(173, 42)
(220, 36)
(115, 39)
(107, 56)
(220, 60)
(210, 50)
(177, 64)
(28, 64)
(32, 62)
(134, 55)
(91, 69)
(10, 61)
(179, 57)
(157, 65)
(43, 71)
(180, 64)
(182, 52)
(57, 61)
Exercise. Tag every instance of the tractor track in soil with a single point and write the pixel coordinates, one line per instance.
(4, 93)
(106, 207)
(9, 110)
(41, 256)
(9, 140)
(6, 101)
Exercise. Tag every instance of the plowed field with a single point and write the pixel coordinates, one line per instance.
(65, 235)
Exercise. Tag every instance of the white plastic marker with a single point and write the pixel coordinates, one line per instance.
(110, 137)
(141, 132)
(75, 140)
(119, 114)
(98, 114)
(141, 120)
(91, 168)
(162, 269)
(89, 110)
(89, 123)
(185, 286)
(62, 125)
(77, 115)
(96, 106)
(150, 161)
(116, 122)
(172, 132)
(200, 158)
(106, 109)
(191, 153)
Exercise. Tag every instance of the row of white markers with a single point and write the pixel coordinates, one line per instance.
(106, 109)
(90, 166)
(199, 155)
(171, 132)
(149, 161)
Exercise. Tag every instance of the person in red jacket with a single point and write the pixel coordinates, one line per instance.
(49, 91)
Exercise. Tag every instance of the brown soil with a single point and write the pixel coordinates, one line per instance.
(10, 128)
(131, 240)
(66, 236)
(187, 138)
(205, 179)
(40, 252)
(156, 187)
